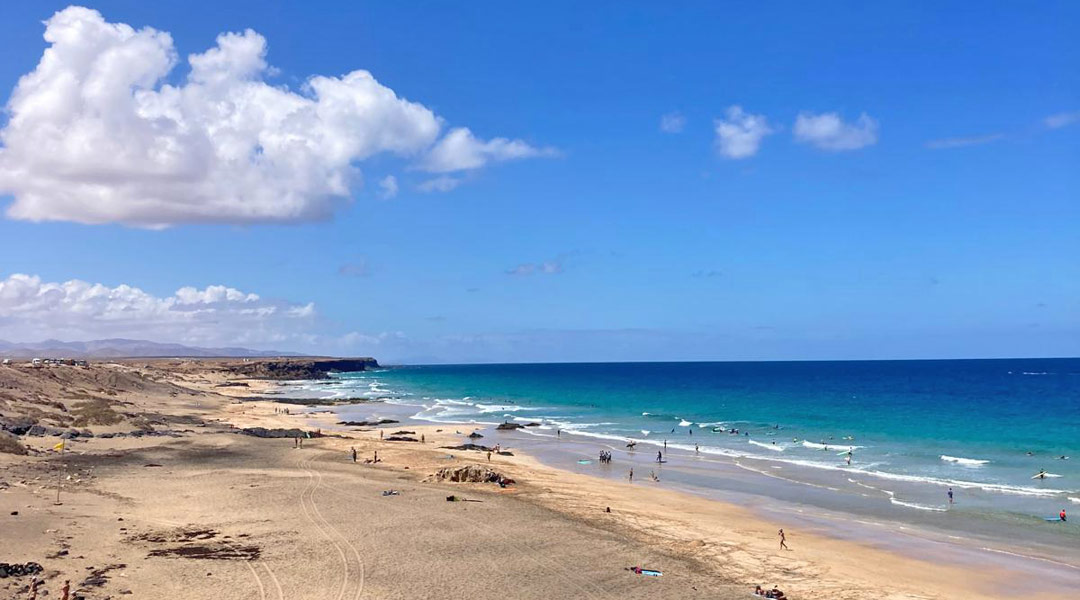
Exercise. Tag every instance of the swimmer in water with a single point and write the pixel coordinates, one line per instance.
(1041, 474)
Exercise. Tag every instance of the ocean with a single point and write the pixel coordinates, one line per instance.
(914, 429)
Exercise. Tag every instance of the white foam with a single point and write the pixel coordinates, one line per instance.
(685, 423)
(773, 447)
(817, 446)
(1074, 499)
(917, 506)
(968, 462)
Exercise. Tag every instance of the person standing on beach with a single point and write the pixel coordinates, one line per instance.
(950, 496)
(423, 440)
(489, 455)
(380, 434)
(66, 591)
(660, 456)
(631, 475)
(354, 453)
(665, 445)
(783, 540)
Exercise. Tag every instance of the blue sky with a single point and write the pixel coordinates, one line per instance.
(948, 226)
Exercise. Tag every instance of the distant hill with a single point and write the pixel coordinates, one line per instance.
(123, 348)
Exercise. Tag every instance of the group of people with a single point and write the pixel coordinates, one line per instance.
(35, 584)
(773, 593)
(605, 457)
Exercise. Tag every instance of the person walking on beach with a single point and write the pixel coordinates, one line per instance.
(376, 457)
(659, 456)
(66, 591)
(354, 453)
(423, 440)
(489, 455)
(558, 433)
(665, 445)
(783, 540)
(631, 475)
(950, 496)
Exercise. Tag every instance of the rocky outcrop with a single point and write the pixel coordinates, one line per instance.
(401, 438)
(301, 368)
(509, 426)
(471, 474)
(262, 432)
(366, 423)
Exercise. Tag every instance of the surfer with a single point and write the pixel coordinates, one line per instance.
(1040, 475)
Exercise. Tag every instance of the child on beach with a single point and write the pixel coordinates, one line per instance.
(783, 540)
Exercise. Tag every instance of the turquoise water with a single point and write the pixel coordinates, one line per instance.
(914, 428)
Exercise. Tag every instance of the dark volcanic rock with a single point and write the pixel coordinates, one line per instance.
(468, 447)
(302, 368)
(509, 426)
(262, 432)
(19, 570)
(367, 423)
(475, 436)
(401, 438)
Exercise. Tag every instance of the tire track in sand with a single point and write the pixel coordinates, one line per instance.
(311, 511)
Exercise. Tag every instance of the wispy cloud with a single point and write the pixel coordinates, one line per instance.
(960, 142)
(548, 267)
(828, 131)
(357, 268)
(388, 187)
(673, 122)
(1062, 119)
(739, 134)
(442, 183)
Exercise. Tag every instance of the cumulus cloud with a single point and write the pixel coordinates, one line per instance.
(103, 131)
(442, 183)
(388, 187)
(960, 142)
(739, 134)
(1063, 119)
(829, 132)
(673, 122)
(32, 309)
(460, 150)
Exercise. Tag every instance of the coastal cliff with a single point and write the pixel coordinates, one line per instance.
(301, 368)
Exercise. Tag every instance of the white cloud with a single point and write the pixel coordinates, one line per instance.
(829, 132)
(459, 150)
(960, 142)
(32, 310)
(388, 187)
(97, 134)
(739, 134)
(548, 267)
(442, 183)
(673, 122)
(1063, 119)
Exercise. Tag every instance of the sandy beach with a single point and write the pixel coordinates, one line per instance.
(200, 510)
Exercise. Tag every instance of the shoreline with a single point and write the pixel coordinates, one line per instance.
(965, 559)
(242, 488)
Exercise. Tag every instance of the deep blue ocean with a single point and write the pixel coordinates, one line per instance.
(986, 425)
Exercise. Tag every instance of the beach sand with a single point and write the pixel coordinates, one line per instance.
(211, 513)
